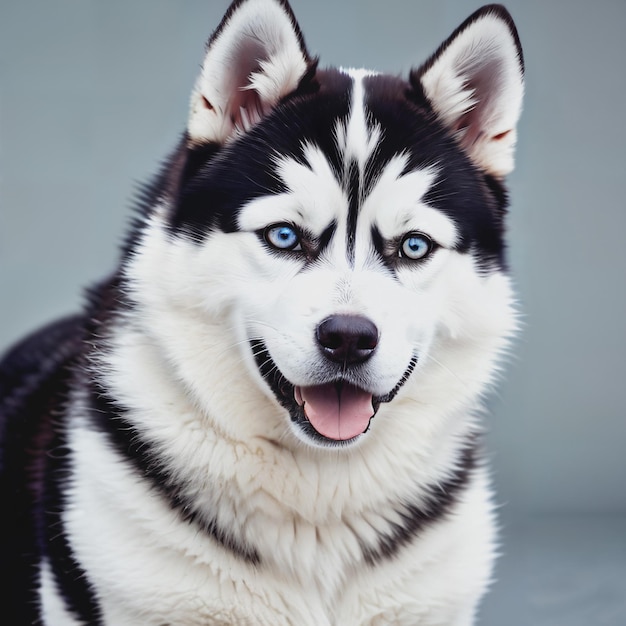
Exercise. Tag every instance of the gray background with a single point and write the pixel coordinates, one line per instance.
(93, 94)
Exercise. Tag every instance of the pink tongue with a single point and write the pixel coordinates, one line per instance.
(337, 411)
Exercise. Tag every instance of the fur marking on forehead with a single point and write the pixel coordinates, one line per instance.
(356, 139)
(313, 194)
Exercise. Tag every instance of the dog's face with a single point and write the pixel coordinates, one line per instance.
(338, 232)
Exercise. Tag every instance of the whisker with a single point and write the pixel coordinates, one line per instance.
(446, 368)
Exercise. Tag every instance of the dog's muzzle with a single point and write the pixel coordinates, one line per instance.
(337, 411)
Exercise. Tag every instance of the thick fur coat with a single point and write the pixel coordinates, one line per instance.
(269, 415)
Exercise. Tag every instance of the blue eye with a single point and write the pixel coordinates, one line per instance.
(416, 246)
(282, 237)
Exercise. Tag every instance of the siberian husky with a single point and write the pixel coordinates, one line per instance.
(269, 414)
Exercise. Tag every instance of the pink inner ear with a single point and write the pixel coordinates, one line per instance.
(206, 104)
(245, 109)
(470, 126)
(485, 82)
(500, 136)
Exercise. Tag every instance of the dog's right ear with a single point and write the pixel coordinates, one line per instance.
(255, 57)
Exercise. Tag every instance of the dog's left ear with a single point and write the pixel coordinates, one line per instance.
(475, 83)
(255, 57)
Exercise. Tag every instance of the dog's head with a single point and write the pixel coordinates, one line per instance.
(341, 230)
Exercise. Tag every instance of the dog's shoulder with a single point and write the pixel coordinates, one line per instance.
(32, 371)
(35, 376)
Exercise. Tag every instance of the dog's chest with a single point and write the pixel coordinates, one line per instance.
(149, 565)
(294, 553)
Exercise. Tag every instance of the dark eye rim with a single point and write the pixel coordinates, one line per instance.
(265, 232)
(432, 246)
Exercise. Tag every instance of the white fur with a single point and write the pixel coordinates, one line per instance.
(53, 609)
(174, 574)
(356, 139)
(180, 363)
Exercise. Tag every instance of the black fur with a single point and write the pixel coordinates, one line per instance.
(109, 417)
(211, 185)
(416, 517)
(34, 382)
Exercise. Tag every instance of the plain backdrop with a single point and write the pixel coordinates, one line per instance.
(94, 93)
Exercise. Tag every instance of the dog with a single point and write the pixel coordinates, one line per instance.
(270, 413)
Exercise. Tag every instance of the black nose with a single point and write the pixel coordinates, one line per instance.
(347, 339)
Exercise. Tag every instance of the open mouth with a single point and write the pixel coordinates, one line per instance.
(336, 412)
